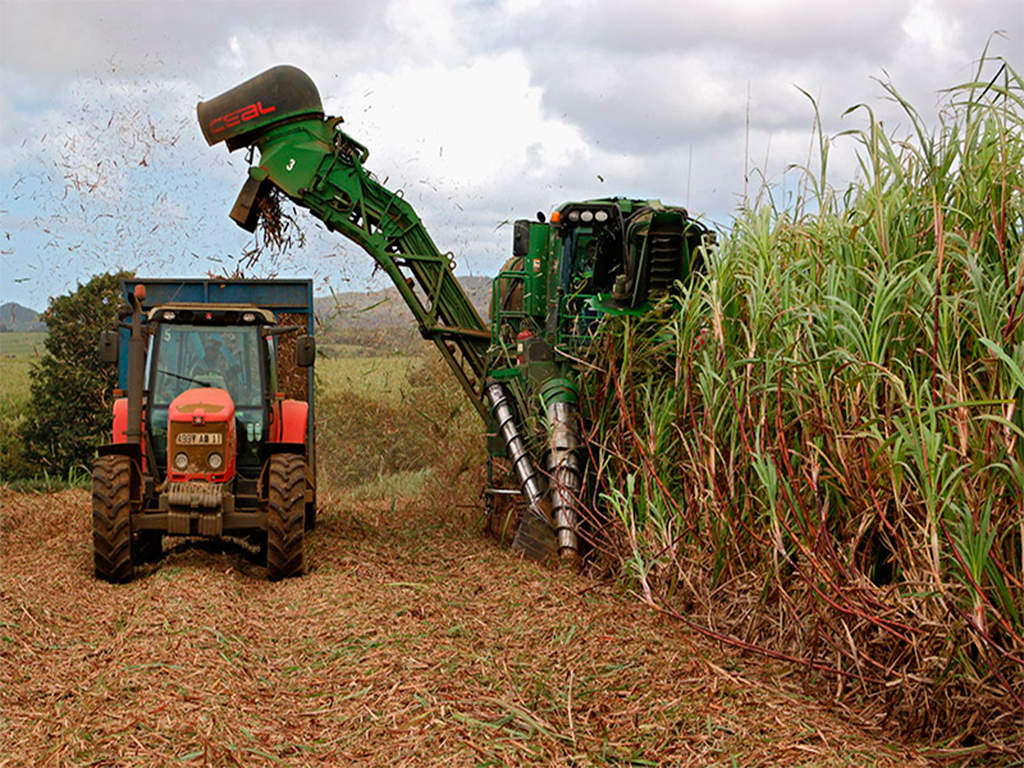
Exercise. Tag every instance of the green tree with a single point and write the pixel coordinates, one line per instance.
(70, 409)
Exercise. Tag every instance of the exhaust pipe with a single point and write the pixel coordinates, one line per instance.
(136, 368)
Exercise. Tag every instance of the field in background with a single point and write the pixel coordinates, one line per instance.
(22, 344)
(17, 353)
(383, 421)
(364, 371)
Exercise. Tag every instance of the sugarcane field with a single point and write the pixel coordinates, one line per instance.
(422, 394)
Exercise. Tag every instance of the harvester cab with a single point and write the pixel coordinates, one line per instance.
(590, 260)
(205, 440)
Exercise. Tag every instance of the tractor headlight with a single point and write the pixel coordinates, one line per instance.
(587, 216)
(601, 216)
(215, 461)
(181, 461)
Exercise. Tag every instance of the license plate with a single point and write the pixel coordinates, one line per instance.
(199, 438)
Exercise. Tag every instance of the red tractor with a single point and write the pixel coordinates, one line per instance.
(212, 435)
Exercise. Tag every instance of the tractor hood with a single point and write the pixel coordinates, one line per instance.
(201, 439)
(204, 405)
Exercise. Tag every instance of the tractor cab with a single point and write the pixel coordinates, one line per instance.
(197, 350)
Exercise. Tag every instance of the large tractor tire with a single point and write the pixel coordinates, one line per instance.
(111, 518)
(286, 516)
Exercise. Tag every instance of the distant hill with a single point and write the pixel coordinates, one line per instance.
(375, 318)
(16, 318)
(360, 317)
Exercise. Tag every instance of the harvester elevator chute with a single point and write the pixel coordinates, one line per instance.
(307, 157)
(591, 259)
(318, 167)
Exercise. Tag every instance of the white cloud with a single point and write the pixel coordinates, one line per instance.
(932, 32)
(424, 24)
(485, 122)
(480, 111)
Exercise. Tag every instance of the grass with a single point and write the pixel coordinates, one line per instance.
(403, 484)
(18, 352)
(22, 344)
(349, 370)
(412, 641)
(77, 477)
(380, 422)
(822, 450)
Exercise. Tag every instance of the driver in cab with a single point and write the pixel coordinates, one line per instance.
(213, 367)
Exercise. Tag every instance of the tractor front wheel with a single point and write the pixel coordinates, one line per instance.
(111, 518)
(286, 516)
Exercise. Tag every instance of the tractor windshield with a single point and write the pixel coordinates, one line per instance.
(184, 357)
(189, 356)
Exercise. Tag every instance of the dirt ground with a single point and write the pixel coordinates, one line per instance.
(413, 640)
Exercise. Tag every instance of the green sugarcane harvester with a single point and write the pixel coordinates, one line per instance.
(589, 259)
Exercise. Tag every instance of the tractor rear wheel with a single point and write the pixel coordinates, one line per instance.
(286, 516)
(111, 518)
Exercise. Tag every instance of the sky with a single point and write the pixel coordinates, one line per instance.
(481, 112)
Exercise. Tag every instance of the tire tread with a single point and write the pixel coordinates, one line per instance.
(286, 516)
(111, 519)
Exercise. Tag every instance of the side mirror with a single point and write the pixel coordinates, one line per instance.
(521, 238)
(305, 351)
(110, 346)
